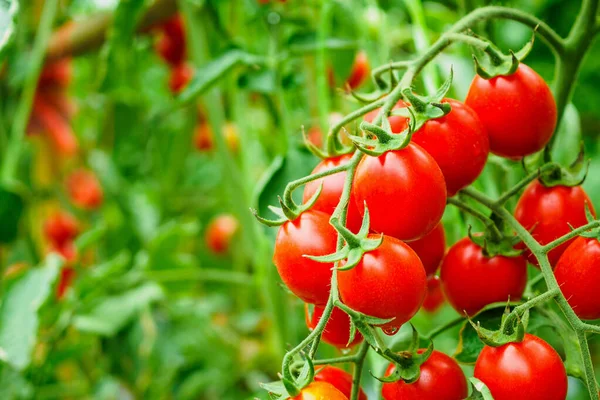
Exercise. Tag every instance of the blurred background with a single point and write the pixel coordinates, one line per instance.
(155, 126)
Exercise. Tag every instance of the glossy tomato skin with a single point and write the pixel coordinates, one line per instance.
(431, 248)
(333, 185)
(529, 370)
(441, 379)
(220, 232)
(84, 190)
(471, 280)
(337, 329)
(360, 70)
(339, 378)
(435, 295)
(389, 282)
(578, 275)
(404, 191)
(457, 142)
(320, 391)
(171, 45)
(309, 234)
(518, 111)
(61, 228)
(547, 213)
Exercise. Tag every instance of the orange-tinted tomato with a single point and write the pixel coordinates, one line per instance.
(219, 233)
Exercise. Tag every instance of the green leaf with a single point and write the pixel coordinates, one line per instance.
(114, 312)
(568, 137)
(13, 385)
(11, 208)
(19, 312)
(8, 13)
(480, 391)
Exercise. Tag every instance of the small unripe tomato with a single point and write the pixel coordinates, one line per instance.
(219, 233)
(60, 228)
(339, 378)
(84, 190)
(337, 329)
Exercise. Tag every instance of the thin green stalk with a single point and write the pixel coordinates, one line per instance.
(358, 367)
(525, 181)
(489, 224)
(337, 360)
(289, 189)
(574, 233)
(441, 329)
(19, 125)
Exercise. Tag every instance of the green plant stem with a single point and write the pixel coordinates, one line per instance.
(525, 181)
(358, 367)
(337, 360)
(489, 224)
(289, 189)
(575, 232)
(441, 329)
(15, 145)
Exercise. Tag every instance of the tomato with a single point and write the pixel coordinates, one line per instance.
(203, 139)
(333, 185)
(529, 370)
(337, 329)
(309, 234)
(219, 233)
(431, 248)
(55, 74)
(230, 131)
(518, 111)
(547, 213)
(404, 191)
(578, 275)
(339, 378)
(315, 137)
(67, 274)
(389, 282)
(360, 70)
(457, 142)
(320, 391)
(60, 228)
(471, 280)
(435, 295)
(171, 45)
(51, 123)
(85, 190)
(441, 379)
(181, 75)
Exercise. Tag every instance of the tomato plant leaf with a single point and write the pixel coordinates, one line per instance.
(14, 385)
(19, 312)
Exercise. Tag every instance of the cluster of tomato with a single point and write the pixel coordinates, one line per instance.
(406, 191)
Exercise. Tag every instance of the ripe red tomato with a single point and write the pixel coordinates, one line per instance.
(219, 233)
(578, 275)
(389, 282)
(171, 44)
(85, 190)
(67, 274)
(339, 378)
(547, 213)
(181, 75)
(518, 111)
(360, 70)
(404, 191)
(47, 119)
(320, 391)
(337, 329)
(309, 234)
(431, 248)
(56, 74)
(60, 228)
(529, 370)
(457, 142)
(471, 280)
(435, 295)
(203, 139)
(441, 379)
(333, 185)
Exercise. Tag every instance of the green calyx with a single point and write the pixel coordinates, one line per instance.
(288, 210)
(593, 233)
(491, 62)
(512, 329)
(356, 245)
(291, 382)
(497, 240)
(572, 175)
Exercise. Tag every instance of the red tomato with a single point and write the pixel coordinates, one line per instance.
(320, 391)
(547, 213)
(219, 233)
(203, 137)
(389, 282)
(337, 329)
(457, 142)
(360, 70)
(67, 274)
(578, 275)
(518, 111)
(85, 190)
(315, 136)
(404, 191)
(435, 295)
(471, 280)
(181, 75)
(333, 185)
(55, 125)
(60, 228)
(529, 370)
(69, 253)
(441, 379)
(309, 234)
(431, 248)
(339, 378)
(171, 44)
(55, 74)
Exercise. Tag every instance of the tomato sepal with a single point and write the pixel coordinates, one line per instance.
(572, 175)
(287, 212)
(491, 62)
(511, 329)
